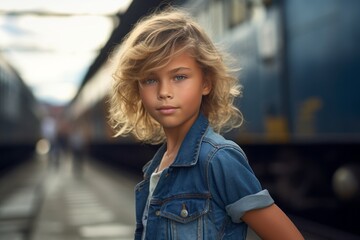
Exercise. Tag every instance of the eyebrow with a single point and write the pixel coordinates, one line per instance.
(175, 70)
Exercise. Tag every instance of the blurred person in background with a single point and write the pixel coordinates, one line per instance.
(77, 148)
(49, 132)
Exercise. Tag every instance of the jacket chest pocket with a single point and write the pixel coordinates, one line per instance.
(186, 217)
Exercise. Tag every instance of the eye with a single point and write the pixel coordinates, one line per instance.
(180, 77)
(147, 82)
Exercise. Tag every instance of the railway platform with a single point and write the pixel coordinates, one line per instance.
(43, 200)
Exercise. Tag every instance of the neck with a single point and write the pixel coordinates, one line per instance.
(173, 143)
(174, 139)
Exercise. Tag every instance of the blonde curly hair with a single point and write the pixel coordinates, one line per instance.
(149, 47)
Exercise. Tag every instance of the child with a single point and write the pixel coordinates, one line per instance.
(171, 86)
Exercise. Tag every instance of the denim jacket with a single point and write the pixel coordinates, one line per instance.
(203, 194)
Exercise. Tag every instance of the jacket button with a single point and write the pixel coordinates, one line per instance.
(157, 213)
(184, 213)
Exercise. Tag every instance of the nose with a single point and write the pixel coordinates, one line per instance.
(165, 90)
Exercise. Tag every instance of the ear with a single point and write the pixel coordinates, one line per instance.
(206, 87)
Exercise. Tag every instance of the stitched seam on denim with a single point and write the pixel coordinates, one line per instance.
(180, 196)
(223, 227)
(139, 186)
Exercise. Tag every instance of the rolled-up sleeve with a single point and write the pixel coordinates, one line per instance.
(237, 209)
(234, 184)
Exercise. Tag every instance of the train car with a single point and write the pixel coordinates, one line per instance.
(20, 127)
(299, 71)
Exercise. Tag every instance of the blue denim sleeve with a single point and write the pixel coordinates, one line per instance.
(234, 184)
(255, 201)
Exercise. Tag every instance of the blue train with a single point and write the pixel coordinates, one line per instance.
(300, 71)
(20, 127)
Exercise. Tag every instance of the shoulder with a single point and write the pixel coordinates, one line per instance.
(227, 170)
(215, 146)
(220, 154)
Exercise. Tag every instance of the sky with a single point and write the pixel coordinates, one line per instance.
(52, 43)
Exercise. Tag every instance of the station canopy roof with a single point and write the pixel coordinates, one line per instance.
(52, 43)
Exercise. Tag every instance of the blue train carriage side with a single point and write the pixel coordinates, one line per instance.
(323, 56)
(322, 109)
(19, 119)
(322, 59)
(299, 70)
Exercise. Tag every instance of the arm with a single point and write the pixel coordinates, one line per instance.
(271, 223)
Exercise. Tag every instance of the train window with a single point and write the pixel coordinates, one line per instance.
(238, 12)
(216, 16)
(210, 15)
(267, 3)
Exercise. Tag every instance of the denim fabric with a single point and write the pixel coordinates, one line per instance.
(203, 194)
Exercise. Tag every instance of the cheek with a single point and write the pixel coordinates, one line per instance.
(191, 96)
(146, 98)
(143, 94)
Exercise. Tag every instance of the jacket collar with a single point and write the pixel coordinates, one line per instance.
(189, 150)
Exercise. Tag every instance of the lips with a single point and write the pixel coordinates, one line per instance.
(167, 110)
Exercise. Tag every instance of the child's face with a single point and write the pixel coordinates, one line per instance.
(173, 94)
